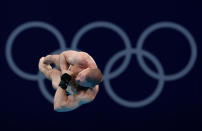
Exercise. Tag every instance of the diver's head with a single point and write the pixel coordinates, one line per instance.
(89, 77)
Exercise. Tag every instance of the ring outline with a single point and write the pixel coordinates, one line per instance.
(16, 32)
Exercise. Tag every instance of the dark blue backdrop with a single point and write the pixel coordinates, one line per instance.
(179, 106)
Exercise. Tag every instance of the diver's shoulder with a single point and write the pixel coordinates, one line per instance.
(69, 52)
(84, 53)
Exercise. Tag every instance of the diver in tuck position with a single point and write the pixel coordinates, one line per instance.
(75, 78)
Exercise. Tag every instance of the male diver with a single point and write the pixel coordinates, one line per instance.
(75, 78)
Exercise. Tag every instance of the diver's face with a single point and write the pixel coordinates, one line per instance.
(81, 79)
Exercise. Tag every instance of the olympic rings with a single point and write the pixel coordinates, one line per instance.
(127, 52)
(135, 104)
(178, 28)
(20, 29)
(113, 27)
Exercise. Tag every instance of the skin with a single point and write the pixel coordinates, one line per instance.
(76, 64)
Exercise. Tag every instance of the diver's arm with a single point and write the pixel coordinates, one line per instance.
(64, 63)
(87, 96)
(64, 103)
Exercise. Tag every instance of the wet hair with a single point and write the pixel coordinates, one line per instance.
(94, 76)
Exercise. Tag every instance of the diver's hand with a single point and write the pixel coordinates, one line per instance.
(68, 72)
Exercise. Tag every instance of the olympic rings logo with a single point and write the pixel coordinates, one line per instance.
(127, 52)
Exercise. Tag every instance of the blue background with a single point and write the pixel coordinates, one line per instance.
(179, 106)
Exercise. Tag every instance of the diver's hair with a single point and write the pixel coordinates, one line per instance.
(94, 76)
